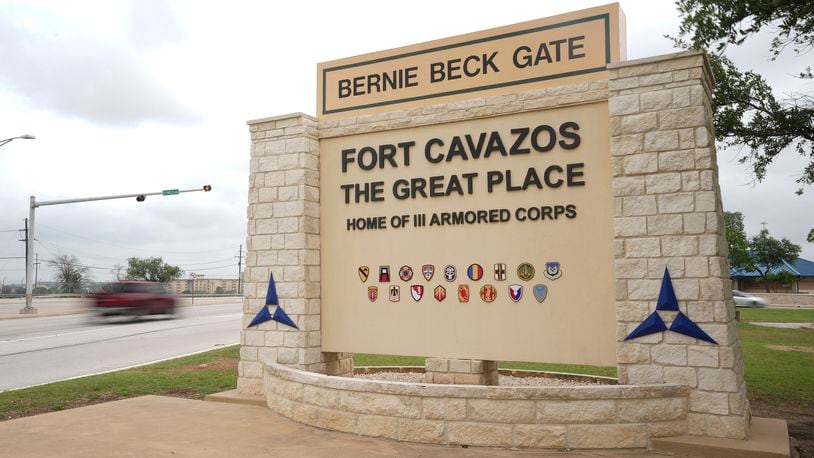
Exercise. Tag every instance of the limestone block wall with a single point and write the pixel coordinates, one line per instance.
(460, 371)
(668, 212)
(585, 417)
(283, 240)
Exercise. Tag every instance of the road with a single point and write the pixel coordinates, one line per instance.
(45, 349)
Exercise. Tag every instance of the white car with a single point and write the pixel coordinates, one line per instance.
(747, 300)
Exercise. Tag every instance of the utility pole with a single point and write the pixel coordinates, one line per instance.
(25, 239)
(239, 266)
(29, 265)
(36, 268)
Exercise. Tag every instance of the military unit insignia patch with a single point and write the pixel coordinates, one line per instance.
(364, 272)
(515, 292)
(440, 293)
(450, 274)
(384, 274)
(417, 292)
(406, 273)
(463, 293)
(488, 293)
(540, 292)
(552, 270)
(500, 272)
(474, 272)
(525, 271)
(427, 270)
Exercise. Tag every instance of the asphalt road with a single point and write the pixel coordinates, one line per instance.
(45, 349)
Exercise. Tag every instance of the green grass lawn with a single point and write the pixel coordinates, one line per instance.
(777, 366)
(777, 315)
(190, 377)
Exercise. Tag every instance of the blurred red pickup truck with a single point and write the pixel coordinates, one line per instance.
(134, 298)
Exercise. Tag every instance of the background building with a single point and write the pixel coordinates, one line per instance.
(202, 285)
(802, 269)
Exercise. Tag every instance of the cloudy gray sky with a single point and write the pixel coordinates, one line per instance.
(145, 95)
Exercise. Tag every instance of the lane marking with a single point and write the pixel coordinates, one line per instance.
(219, 346)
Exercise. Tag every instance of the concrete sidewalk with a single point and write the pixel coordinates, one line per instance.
(164, 426)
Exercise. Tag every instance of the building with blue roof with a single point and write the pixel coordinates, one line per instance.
(803, 269)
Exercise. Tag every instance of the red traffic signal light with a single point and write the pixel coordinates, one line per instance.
(207, 188)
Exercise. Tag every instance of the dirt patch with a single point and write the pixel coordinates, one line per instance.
(82, 402)
(791, 348)
(800, 417)
(216, 365)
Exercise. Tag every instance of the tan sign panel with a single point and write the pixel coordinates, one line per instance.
(485, 239)
(552, 51)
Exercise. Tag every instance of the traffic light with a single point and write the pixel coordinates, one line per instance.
(207, 188)
(140, 198)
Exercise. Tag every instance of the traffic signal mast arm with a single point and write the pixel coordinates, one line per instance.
(30, 236)
(166, 192)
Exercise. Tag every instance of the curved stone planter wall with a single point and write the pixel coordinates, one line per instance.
(609, 416)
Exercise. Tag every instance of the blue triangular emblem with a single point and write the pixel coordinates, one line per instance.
(271, 294)
(262, 316)
(683, 325)
(651, 325)
(667, 296)
(281, 317)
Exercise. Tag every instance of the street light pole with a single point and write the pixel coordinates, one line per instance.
(29, 264)
(24, 137)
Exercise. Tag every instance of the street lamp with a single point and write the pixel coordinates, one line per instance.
(24, 137)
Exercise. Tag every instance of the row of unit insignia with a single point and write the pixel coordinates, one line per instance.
(488, 293)
(475, 272)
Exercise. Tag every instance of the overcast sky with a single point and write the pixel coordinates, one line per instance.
(144, 95)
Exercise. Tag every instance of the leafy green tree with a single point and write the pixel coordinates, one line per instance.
(768, 253)
(736, 237)
(810, 236)
(152, 269)
(71, 276)
(746, 112)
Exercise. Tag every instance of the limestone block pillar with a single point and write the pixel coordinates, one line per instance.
(460, 371)
(283, 240)
(668, 212)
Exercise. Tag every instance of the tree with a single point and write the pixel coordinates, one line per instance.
(768, 253)
(71, 275)
(747, 114)
(152, 269)
(118, 271)
(219, 290)
(810, 237)
(738, 245)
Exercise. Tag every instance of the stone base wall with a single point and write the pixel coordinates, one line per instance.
(585, 417)
(460, 371)
(790, 300)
